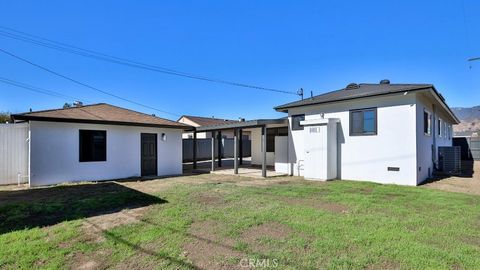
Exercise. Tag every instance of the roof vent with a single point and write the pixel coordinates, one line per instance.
(352, 86)
(385, 81)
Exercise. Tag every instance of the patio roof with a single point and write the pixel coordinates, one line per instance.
(243, 124)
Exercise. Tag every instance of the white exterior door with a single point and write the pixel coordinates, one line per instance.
(315, 152)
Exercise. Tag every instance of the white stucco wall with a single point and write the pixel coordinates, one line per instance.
(366, 158)
(425, 164)
(256, 144)
(55, 153)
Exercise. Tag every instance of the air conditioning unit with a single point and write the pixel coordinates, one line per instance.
(449, 159)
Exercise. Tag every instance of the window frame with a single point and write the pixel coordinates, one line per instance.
(440, 126)
(429, 122)
(274, 131)
(375, 122)
(300, 127)
(81, 155)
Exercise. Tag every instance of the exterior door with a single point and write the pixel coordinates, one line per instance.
(148, 154)
(314, 152)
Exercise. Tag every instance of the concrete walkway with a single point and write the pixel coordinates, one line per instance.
(227, 168)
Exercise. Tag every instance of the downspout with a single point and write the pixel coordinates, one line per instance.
(29, 140)
(434, 137)
(290, 164)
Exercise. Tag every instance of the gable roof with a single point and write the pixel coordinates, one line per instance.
(363, 90)
(206, 121)
(100, 113)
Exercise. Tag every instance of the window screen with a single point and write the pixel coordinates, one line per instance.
(363, 122)
(93, 145)
(296, 121)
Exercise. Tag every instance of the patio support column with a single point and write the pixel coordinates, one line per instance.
(219, 150)
(240, 147)
(235, 151)
(264, 151)
(213, 151)
(194, 150)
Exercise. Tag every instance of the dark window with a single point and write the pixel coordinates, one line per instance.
(296, 121)
(440, 126)
(93, 145)
(363, 122)
(426, 123)
(271, 133)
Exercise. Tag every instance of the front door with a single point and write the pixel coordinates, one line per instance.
(149, 154)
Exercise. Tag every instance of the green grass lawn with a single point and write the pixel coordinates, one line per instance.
(292, 225)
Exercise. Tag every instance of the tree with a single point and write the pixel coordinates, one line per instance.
(4, 117)
(67, 105)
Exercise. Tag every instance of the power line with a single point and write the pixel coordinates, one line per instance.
(83, 84)
(40, 41)
(37, 89)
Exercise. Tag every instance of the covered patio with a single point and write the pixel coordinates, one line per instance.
(262, 161)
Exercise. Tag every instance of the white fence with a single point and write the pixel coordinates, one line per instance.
(204, 149)
(13, 153)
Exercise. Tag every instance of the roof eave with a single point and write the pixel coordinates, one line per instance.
(284, 108)
(445, 105)
(87, 121)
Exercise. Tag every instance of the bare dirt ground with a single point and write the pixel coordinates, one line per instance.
(469, 185)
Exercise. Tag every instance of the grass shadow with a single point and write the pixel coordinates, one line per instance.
(23, 209)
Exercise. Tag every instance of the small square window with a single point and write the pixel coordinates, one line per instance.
(93, 145)
(296, 121)
(363, 122)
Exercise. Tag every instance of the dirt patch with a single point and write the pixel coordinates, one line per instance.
(209, 198)
(318, 204)
(93, 227)
(388, 265)
(471, 240)
(366, 191)
(207, 249)
(272, 230)
(468, 184)
(84, 261)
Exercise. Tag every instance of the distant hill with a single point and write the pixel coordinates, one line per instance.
(470, 121)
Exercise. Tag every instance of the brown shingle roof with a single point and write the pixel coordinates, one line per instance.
(101, 113)
(206, 121)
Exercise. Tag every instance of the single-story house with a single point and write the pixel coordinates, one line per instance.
(200, 121)
(100, 142)
(384, 133)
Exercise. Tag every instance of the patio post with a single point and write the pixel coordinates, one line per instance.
(213, 151)
(264, 151)
(235, 151)
(240, 147)
(195, 150)
(219, 150)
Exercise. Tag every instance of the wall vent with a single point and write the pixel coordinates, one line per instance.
(393, 169)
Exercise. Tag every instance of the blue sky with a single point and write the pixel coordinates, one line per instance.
(315, 45)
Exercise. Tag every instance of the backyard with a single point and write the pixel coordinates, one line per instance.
(228, 222)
